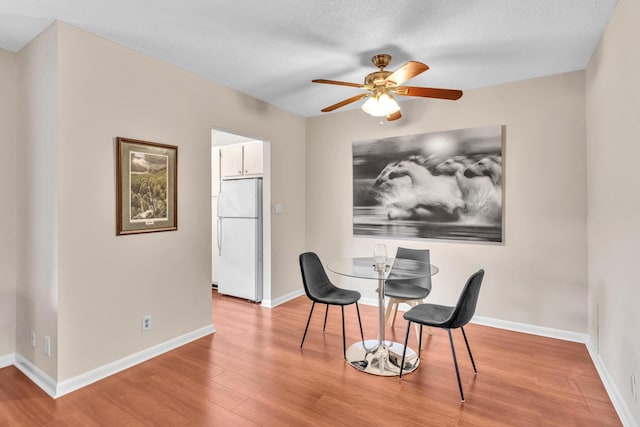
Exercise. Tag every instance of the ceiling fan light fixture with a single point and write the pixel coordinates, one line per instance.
(381, 105)
(381, 84)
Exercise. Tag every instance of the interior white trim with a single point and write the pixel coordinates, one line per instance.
(82, 380)
(281, 300)
(543, 331)
(37, 375)
(58, 389)
(626, 417)
(508, 325)
(7, 360)
(371, 301)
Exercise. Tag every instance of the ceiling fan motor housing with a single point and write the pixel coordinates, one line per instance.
(382, 60)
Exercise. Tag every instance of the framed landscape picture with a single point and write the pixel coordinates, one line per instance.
(147, 187)
(441, 185)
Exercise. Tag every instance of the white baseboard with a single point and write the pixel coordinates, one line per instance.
(58, 389)
(7, 360)
(37, 375)
(369, 301)
(614, 393)
(508, 325)
(526, 328)
(82, 380)
(283, 299)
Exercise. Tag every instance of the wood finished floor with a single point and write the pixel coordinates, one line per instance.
(251, 372)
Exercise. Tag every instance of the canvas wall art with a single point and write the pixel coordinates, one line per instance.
(441, 185)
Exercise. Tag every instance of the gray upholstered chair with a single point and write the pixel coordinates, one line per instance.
(319, 289)
(409, 291)
(445, 317)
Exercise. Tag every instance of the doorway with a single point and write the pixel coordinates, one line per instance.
(240, 157)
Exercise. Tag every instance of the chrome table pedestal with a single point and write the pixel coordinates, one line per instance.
(381, 357)
(377, 358)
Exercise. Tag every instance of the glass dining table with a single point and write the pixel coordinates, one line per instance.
(381, 357)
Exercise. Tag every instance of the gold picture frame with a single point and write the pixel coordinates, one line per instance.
(146, 187)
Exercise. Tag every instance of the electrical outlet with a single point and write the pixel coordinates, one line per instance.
(47, 345)
(33, 338)
(146, 323)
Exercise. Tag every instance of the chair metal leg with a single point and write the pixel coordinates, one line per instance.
(455, 363)
(307, 327)
(469, 350)
(420, 341)
(344, 340)
(359, 321)
(404, 350)
(325, 318)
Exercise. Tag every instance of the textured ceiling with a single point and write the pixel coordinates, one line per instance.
(273, 49)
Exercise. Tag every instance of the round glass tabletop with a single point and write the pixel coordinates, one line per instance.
(396, 268)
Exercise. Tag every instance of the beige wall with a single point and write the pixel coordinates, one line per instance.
(8, 196)
(538, 276)
(37, 199)
(613, 127)
(106, 282)
(78, 282)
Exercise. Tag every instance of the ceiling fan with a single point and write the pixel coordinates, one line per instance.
(381, 85)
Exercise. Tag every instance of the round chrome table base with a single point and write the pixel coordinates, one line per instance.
(368, 356)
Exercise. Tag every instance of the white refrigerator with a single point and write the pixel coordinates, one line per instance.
(240, 238)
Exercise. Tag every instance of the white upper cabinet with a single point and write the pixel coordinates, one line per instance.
(239, 160)
(252, 159)
(231, 160)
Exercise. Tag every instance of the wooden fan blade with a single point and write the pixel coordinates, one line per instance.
(394, 116)
(428, 92)
(345, 102)
(335, 82)
(406, 72)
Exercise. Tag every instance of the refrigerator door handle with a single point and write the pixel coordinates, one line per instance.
(218, 236)
(219, 229)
